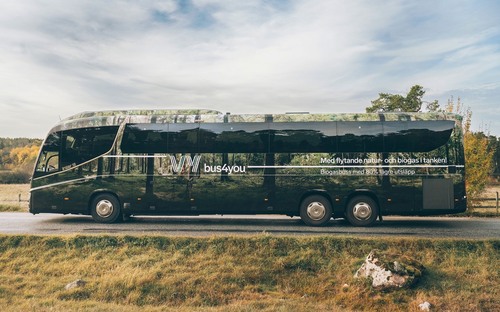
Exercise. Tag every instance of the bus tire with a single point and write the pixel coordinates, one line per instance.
(362, 211)
(316, 210)
(106, 208)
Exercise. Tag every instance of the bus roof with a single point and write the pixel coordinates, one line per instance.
(117, 117)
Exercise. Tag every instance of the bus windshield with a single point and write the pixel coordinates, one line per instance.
(65, 149)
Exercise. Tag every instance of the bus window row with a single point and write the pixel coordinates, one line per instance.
(287, 137)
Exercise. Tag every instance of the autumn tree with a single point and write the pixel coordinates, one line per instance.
(17, 159)
(478, 150)
(9, 144)
(23, 157)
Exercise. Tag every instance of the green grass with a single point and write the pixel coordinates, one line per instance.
(11, 208)
(256, 273)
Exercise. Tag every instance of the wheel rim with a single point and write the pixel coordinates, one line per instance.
(316, 211)
(104, 208)
(362, 211)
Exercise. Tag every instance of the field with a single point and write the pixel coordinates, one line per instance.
(9, 197)
(490, 192)
(259, 273)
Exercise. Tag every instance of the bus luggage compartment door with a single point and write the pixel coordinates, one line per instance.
(438, 194)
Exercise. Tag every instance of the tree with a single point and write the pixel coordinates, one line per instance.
(17, 159)
(495, 145)
(412, 102)
(22, 157)
(8, 160)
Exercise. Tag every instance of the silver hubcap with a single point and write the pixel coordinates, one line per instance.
(362, 211)
(104, 208)
(316, 211)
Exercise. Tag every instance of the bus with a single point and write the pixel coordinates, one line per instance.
(359, 166)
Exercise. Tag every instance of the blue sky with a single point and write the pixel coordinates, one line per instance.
(59, 58)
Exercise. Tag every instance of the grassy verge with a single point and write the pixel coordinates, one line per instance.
(11, 208)
(479, 213)
(237, 274)
(9, 196)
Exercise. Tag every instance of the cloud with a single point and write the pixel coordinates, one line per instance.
(59, 57)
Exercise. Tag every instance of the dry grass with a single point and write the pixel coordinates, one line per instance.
(12, 191)
(261, 273)
(490, 192)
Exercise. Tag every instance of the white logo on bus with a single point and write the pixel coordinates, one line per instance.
(177, 167)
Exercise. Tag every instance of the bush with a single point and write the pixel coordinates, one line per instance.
(15, 177)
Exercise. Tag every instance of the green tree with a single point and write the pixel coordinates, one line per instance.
(412, 102)
(495, 144)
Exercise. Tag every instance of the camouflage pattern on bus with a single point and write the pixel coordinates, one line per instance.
(113, 118)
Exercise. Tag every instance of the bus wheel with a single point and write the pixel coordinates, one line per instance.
(362, 211)
(105, 208)
(315, 210)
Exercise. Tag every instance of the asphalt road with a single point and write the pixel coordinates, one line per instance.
(437, 227)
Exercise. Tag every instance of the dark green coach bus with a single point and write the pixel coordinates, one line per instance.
(114, 164)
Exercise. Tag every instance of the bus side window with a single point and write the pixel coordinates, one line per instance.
(302, 137)
(182, 138)
(81, 145)
(237, 137)
(360, 136)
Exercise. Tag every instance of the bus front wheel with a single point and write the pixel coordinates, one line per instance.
(316, 210)
(362, 211)
(105, 208)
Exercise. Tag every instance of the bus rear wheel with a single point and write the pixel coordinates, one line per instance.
(362, 211)
(316, 210)
(105, 208)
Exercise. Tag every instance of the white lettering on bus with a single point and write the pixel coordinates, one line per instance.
(224, 168)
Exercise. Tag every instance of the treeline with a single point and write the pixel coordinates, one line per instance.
(17, 159)
(495, 144)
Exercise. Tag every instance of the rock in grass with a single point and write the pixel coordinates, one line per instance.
(426, 306)
(75, 284)
(390, 270)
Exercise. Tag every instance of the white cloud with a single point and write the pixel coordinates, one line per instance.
(59, 57)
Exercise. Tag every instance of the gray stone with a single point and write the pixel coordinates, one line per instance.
(75, 284)
(390, 270)
(425, 306)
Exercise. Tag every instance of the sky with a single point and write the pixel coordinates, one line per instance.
(60, 58)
